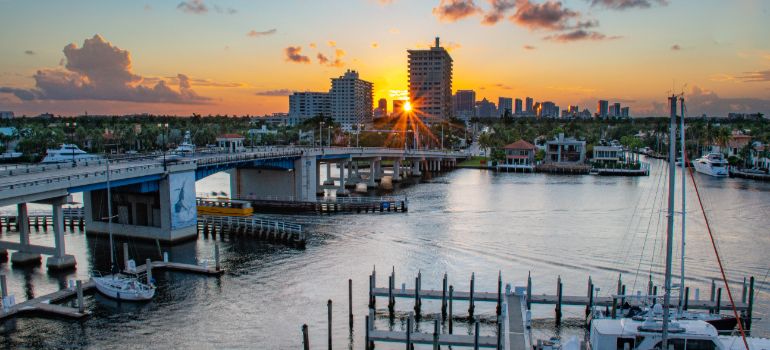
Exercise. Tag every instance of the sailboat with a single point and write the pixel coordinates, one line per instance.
(116, 285)
(659, 330)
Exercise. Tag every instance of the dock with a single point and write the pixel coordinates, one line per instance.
(46, 305)
(252, 226)
(753, 175)
(330, 205)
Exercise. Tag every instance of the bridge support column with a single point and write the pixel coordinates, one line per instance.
(377, 171)
(329, 181)
(438, 165)
(416, 167)
(23, 256)
(396, 170)
(60, 260)
(341, 191)
(371, 182)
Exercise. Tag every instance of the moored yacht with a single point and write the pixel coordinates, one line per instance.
(68, 153)
(713, 164)
(186, 147)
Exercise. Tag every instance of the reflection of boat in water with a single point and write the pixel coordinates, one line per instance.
(223, 206)
(713, 164)
(68, 153)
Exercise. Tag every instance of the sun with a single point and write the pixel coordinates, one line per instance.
(407, 107)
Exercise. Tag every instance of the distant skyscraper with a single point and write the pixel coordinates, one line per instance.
(464, 101)
(306, 105)
(430, 82)
(504, 104)
(602, 109)
(351, 100)
(529, 106)
(615, 110)
(624, 112)
(549, 109)
(398, 107)
(382, 104)
(486, 109)
(517, 107)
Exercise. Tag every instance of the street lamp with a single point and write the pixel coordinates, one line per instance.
(71, 126)
(164, 129)
(358, 131)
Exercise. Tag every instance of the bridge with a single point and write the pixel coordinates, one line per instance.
(155, 199)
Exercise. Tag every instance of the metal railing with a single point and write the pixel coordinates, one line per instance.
(254, 222)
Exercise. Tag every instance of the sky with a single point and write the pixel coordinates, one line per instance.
(245, 57)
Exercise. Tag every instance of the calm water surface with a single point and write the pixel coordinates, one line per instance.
(459, 222)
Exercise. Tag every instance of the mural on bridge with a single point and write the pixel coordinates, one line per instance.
(183, 210)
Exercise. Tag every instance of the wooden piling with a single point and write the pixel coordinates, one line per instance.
(409, 324)
(623, 296)
(743, 291)
(614, 307)
(390, 296)
(371, 292)
(451, 296)
(350, 303)
(435, 334)
(750, 309)
(500, 336)
(125, 256)
(558, 299)
(718, 305)
(366, 336)
(476, 336)
(443, 296)
(4, 285)
(417, 302)
(686, 298)
(590, 305)
(472, 305)
(713, 289)
(329, 316)
(499, 293)
(305, 338)
(529, 291)
(79, 286)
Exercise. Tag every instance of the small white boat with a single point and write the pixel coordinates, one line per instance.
(186, 147)
(68, 153)
(124, 288)
(712, 164)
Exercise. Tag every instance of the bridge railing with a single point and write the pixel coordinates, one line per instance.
(74, 178)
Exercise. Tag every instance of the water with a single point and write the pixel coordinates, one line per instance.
(460, 222)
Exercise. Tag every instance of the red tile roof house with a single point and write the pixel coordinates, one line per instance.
(519, 155)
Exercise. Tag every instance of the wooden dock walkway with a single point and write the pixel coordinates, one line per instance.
(444, 339)
(271, 230)
(45, 305)
(334, 205)
(518, 336)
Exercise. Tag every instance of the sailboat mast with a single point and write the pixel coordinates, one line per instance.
(684, 202)
(670, 225)
(109, 216)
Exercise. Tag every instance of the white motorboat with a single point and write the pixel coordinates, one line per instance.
(68, 153)
(117, 286)
(713, 164)
(186, 147)
(124, 288)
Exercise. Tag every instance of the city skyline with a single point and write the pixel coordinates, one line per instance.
(233, 57)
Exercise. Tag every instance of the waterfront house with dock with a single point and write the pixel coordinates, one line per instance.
(519, 155)
(564, 155)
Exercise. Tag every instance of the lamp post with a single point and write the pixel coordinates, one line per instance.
(358, 131)
(321, 134)
(330, 135)
(71, 126)
(164, 129)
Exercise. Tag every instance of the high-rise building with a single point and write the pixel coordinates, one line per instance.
(529, 106)
(624, 112)
(504, 104)
(306, 105)
(602, 109)
(615, 110)
(351, 100)
(517, 107)
(382, 104)
(486, 108)
(464, 101)
(549, 109)
(398, 107)
(430, 82)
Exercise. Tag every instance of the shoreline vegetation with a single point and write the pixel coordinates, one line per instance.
(149, 133)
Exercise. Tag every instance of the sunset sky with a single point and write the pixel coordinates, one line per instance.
(245, 57)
